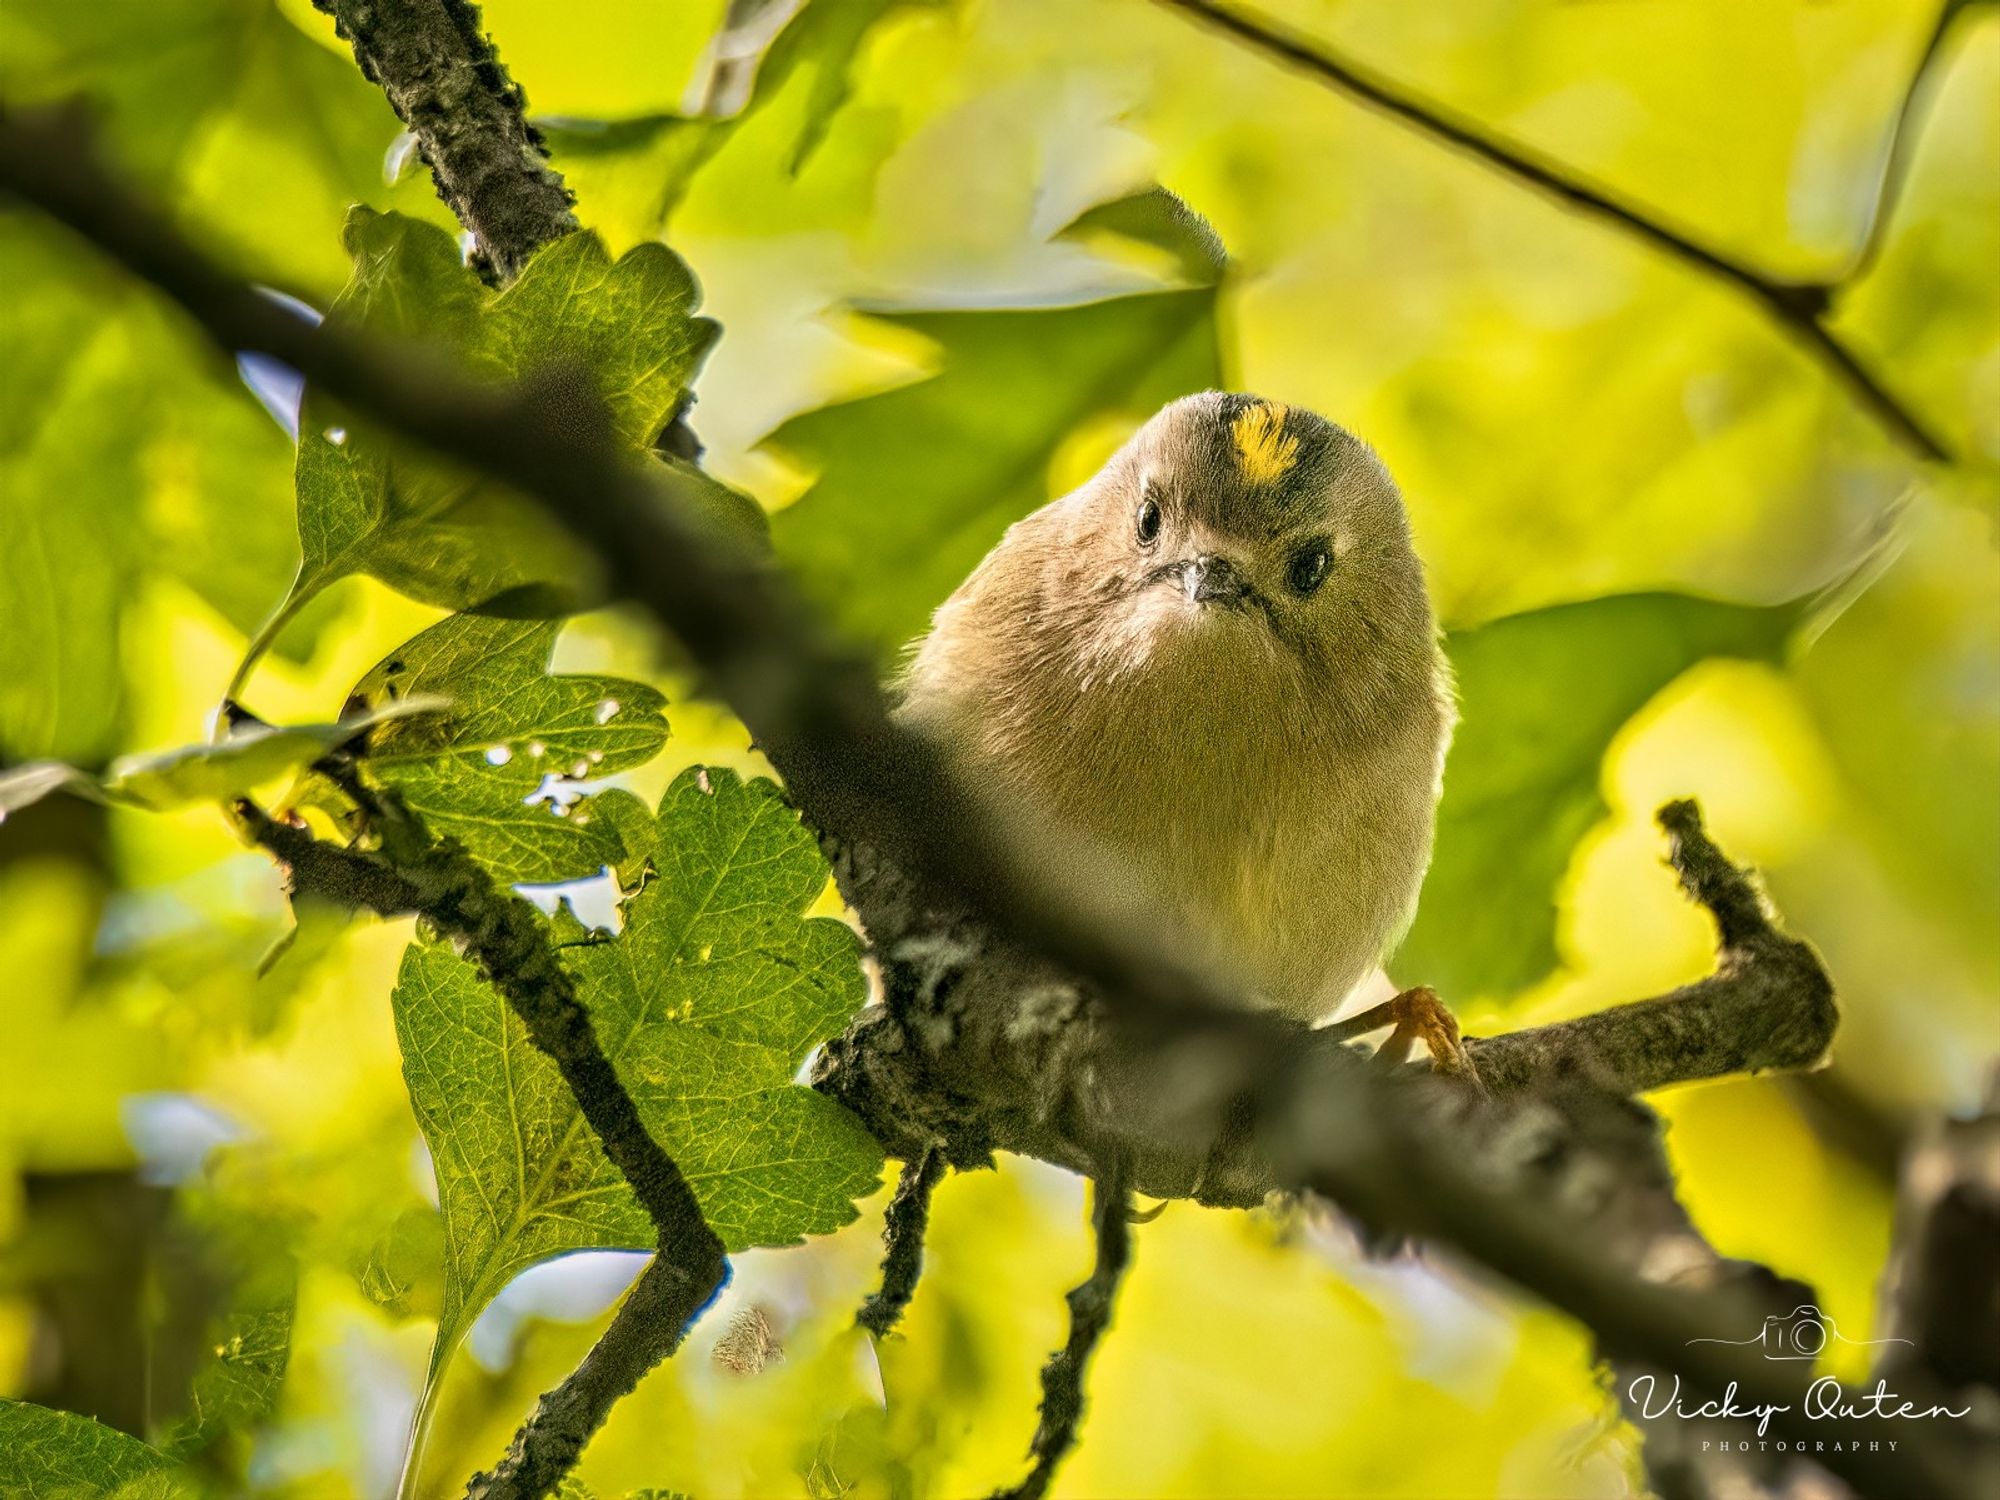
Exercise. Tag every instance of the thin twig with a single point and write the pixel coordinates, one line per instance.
(1769, 1005)
(1344, 1131)
(903, 1230)
(659, 1310)
(1089, 1317)
(1799, 308)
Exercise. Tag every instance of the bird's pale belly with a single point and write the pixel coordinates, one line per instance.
(1296, 909)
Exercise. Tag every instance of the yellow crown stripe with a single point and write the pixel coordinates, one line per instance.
(1264, 450)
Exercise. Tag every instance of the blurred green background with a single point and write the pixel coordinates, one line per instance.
(920, 344)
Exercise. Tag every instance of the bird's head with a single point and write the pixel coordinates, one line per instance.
(1237, 535)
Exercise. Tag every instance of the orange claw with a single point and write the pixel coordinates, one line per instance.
(1417, 1015)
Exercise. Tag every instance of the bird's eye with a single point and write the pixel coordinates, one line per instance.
(1308, 569)
(1147, 523)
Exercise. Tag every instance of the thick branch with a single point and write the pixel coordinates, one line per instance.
(1395, 1152)
(1944, 1281)
(985, 1047)
(1799, 308)
(446, 84)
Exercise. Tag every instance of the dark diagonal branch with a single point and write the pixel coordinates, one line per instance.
(1089, 1317)
(503, 935)
(903, 1231)
(447, 86)
(1944, 1282)
(1801, 309)
(1187, 1071)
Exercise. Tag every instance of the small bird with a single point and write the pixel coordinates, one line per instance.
(1217, 660)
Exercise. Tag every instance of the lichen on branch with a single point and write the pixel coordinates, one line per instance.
(441, 75)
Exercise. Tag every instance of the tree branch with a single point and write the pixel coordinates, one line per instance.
(1769, 1005)
(446, 84)
(903, 1229)
(1801, 309)
(987, 1047)
(647, 1327)
(1943, 1287)
(1182, 1064)
(1089, 1318)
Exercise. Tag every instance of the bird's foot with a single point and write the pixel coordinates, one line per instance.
(1415, 1015)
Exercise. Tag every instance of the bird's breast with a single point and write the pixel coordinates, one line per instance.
(1289, 862)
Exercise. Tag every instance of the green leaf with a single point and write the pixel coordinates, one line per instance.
(69, 496)
(1161, 222)
(248, 757)
(1541, 694)
(629, 175)
(469, 771)
(48, 1454)
(820, 44)
(630, 322)
(239, 1384)
(1901, 686)
(915, 485)
(206, 99)
(634, 172)
(370, 504)
(707, 1002)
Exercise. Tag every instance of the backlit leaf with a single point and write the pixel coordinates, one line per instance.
(1162, 222)
(370, 504)
(58, 1455)
(1541, 694)
(915, 485)
(707, 1002)
(248, 757)
(472, 770)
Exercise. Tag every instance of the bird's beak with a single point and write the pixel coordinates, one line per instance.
(1212, 580)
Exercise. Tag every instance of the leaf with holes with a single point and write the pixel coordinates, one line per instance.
(707, 1003)
(474, 771)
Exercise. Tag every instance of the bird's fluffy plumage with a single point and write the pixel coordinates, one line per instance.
(1262, 760)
